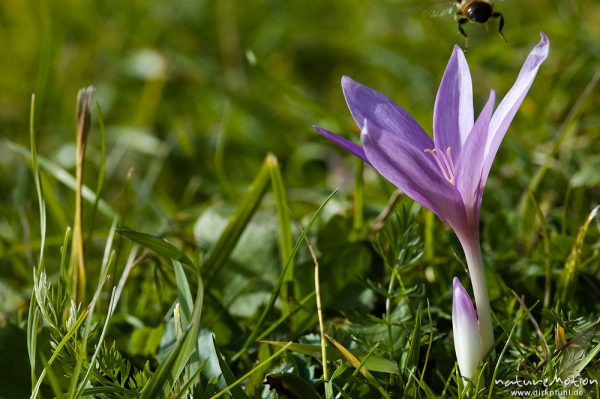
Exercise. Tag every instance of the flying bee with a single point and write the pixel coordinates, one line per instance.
(480, 11)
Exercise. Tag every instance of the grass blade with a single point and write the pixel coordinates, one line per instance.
(64, 177)
(568, 277)
(275, 293)
(248, 374)
(183, 292)
(236, 225)
(285, 228)
(163, 380)
(57, 351)
(232, 386)
(372, 363)
(353, 360)
(159, 245)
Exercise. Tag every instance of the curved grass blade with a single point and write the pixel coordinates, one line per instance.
(159, 245)
(64, 177)
(232, 387)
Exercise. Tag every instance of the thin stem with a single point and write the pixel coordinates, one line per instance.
(388, 315)
(319, 310)
(480, 292)
(84, 98)
(359, 193)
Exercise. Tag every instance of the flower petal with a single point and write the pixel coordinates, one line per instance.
(465, 328)
(414, 172)
(509, 105)
(366, 103)
(346, 144)
(470, 162)
(453, 111)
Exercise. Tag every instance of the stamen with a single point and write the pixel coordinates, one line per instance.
(447, 166)
(434, 153)
(450, 159)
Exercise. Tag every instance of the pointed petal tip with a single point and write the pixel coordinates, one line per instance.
(347, 80)
(456, 282)
(325, 132)
(319, 129)
(344, 143)
(492, 97)
(458, 54)
(542, 48)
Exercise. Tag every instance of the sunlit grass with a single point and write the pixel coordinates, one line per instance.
(202, 179)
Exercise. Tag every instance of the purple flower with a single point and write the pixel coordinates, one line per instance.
(446, 174)
(465, 329)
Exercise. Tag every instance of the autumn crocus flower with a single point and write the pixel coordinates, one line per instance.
(465, 329)
(446, 174)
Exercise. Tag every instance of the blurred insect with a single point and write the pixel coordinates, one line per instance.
(465, 11)
(480, 11)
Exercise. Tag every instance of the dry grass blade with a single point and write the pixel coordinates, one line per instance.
(349, 356)
(77, 264)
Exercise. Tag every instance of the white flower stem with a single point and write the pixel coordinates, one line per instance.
(480, 292)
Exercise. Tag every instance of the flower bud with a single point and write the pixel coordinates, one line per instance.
(467, 342)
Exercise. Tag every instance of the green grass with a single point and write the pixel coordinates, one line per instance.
(203, 180)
